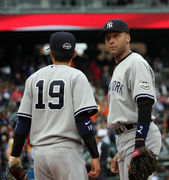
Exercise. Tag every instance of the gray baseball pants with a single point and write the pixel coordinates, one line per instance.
(59, 163)
(126, 143)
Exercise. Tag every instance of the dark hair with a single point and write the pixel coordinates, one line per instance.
(62, 57)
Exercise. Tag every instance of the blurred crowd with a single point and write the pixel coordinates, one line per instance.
(97, 64)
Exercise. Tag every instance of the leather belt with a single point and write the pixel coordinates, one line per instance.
(123, 128)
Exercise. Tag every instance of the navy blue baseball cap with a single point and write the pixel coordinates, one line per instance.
(62, 42)
(116, 25)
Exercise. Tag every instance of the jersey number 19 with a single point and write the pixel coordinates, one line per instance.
(51, 93)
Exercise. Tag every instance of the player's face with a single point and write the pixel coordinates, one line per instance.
(117, 43)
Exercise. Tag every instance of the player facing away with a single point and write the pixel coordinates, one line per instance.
(131, 98)
(56, 109)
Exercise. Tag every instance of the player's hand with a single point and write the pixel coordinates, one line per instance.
(95, 168)
(15, 170)
(114, 165)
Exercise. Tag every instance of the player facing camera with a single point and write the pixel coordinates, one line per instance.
(131, 101)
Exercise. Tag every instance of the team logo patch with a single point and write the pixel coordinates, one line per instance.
(145, 85)
(67, 46)
(109, 24)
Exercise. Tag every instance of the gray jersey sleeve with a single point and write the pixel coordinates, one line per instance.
(141, 80)
(25, 108)
(83, 98)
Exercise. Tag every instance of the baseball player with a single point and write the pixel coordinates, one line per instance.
(131, 98)
(56, 109)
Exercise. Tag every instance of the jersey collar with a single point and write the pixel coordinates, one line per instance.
(124, 58)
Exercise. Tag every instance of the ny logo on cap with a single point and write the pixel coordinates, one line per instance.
(67, 46)
(109, 24)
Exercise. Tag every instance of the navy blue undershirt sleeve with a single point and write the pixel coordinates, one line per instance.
(23, 126)
(144, 119)
(21, 132)
(85, 128)
(144, 109)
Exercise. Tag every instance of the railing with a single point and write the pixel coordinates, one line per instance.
(83, 6)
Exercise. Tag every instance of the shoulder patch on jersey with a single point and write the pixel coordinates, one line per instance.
(145, 85)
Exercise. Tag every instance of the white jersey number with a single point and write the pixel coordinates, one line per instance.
(51, 93)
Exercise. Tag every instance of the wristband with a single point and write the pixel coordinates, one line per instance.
(142, 130)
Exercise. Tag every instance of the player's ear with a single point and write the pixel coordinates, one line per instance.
(128, 38)
(74, 55)
(51, 54)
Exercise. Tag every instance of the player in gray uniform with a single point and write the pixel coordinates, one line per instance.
(131, 98)
(56, 109)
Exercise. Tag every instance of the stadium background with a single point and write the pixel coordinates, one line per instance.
(25, 27)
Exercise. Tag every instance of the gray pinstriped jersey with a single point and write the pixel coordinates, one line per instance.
(132, 78)
(53, 96)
